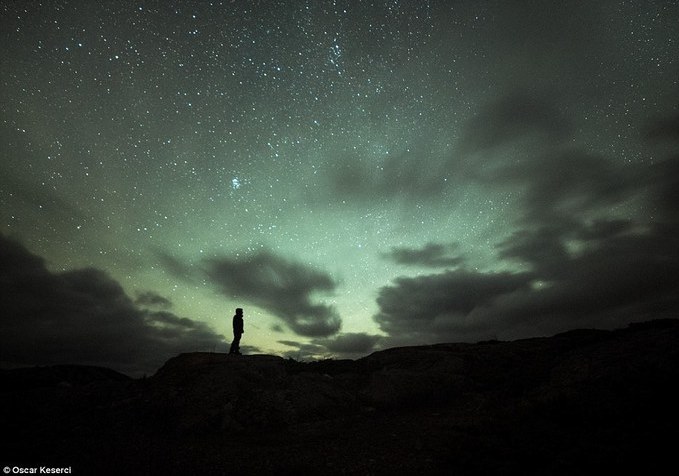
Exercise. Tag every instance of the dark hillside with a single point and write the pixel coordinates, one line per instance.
(581, 402)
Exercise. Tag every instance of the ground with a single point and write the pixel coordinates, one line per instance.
(583, 402)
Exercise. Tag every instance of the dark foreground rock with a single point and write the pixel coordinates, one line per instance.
(582, 402)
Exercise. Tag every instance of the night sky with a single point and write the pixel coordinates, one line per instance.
(355, 174)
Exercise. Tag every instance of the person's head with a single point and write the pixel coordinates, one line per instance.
(239, 311)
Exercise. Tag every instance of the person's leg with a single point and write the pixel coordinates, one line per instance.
(235, 345)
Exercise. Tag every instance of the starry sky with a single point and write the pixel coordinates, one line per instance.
(355, 174)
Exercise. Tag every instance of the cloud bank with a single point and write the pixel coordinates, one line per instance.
(84, 316)
(594, 245)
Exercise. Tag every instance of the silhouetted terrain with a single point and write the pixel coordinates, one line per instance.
(581, 402)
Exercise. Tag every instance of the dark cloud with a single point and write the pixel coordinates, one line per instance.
(152, 299)
(436, 307)
(560, 186)
(616, 276)
(539, 247)
(432, 255)
(517, 122)
(343, 346)
(518, 145)
(291, 343)
(284, 288)
(564, 185)
(84, 316)
(304, 351)
(588, 258)
(514, 117)
(350, 345)
(603, 229)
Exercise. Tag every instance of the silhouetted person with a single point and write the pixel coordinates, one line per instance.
(237, 331)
